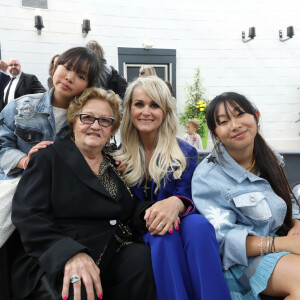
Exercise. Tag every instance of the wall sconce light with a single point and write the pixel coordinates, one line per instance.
(86, 27)
(148, 45)
(289, 34)
(38, 22)
(251, 35)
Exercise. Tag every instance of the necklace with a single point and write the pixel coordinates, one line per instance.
(252, 166)
(147, 187)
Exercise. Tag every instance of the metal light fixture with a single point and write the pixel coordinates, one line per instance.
(148, 45)
(289, 34)
(38, 22)
(86, 27)
(251, 35)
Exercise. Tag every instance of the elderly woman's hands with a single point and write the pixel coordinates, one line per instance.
(163, 215)
(83, 266)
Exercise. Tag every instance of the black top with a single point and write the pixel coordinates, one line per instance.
(147, 189)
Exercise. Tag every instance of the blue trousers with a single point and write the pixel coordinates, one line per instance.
(186, 263)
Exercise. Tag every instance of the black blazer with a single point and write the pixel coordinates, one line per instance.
(28, 84)
(60, 209)
(4, 79)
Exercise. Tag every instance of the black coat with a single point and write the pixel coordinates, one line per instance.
(28, 84)
(60, 209)
(4, 79)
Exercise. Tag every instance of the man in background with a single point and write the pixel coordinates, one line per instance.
(14, 83)
(109, 78)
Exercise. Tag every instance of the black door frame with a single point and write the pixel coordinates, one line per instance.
(148, 56)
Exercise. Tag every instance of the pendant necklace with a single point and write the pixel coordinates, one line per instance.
(252, 166)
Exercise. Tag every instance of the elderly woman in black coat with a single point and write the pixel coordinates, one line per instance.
(72, 210)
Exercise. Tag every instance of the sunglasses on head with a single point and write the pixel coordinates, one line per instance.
(142, 73)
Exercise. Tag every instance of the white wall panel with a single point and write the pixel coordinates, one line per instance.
(204, 33)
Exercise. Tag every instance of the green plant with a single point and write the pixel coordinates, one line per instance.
(196, 103)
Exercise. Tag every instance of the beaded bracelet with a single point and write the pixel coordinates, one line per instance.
(24, 163)
(261, 250)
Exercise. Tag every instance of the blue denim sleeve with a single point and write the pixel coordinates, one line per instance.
(295, 209)
(9, 152)
(211, 203)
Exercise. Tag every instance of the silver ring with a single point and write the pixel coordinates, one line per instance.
(162, 224)
(75, 278)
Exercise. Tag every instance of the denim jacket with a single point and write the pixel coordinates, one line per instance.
(237, 203)
(24, 122)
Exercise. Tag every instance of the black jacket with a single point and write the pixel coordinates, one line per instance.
(28, 84)
(110, 79)
(4, 79)
(60, 209)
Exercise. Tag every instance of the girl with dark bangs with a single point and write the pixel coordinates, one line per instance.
(242, 189)
(33, 122)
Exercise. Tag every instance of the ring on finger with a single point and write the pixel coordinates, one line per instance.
(75, 278)
(161, 224)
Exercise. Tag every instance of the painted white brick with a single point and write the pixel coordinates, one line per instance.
(204, 33)
(292, 116)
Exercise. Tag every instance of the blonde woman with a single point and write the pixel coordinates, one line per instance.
(146, 71)
(159, 168)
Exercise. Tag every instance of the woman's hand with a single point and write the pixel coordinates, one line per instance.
(23, 162)
(288, 243)
(82, 265)
(3, 65)
(295, 230)
(120, 168)
(37, 147)
(163, 215)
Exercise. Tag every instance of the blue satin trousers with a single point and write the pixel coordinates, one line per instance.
(186, 263)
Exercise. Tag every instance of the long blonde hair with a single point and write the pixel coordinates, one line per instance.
(167, 156)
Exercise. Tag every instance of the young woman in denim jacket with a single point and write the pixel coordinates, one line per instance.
(159, 168)
(242, 189)
(32, 122)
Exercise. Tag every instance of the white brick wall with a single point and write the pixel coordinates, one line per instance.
(204, 33)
